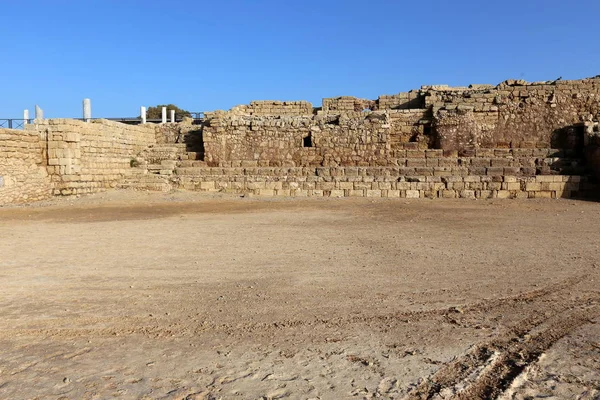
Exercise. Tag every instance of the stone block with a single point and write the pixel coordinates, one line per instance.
(503, 194)
(207, 185)
(533, 186)
(512, 186)
(480, 162)
(356, 193)
(412, 194)
(545, 194)
(467, 194)
(484, 194)
(416, 162)
(373, 193)
(496, 171)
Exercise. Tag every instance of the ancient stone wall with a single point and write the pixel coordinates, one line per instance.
(23, 175)
(281, 108)
(401, 101)
(88, 157)
(516, 139)
(353, 131)
(348, 139)
(422, 182)
(514, 114)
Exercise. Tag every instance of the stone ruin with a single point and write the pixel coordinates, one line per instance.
(513, 140)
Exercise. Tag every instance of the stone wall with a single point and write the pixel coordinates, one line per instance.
(351, 131)
(88, 157)
(23, 174)
(515, 114)
(516, 139)
(380, 182)
(282, 108)
(348, 139)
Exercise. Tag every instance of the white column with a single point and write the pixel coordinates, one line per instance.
(39, 113)
(164, 115)
(172, 115)
(25, 117)
(87, 110)
(143, 114)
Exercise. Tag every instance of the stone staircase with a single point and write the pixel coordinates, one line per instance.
(154, 167)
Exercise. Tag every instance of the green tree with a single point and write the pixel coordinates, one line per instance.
(156, 112)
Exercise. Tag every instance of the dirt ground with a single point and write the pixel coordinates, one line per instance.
(187, 296)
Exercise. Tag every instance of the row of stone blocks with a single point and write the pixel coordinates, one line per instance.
(421, 187)
(493, 155)
(365, 171)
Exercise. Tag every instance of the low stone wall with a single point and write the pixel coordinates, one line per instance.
(88, 157)
(378, 182)
(23, 175)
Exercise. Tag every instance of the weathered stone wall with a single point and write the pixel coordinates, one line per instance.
(347, 104)
(269, 107)
(514, 113)
(379, 182)
(512, 140)
(88, 157)
(400, 101)
(23, 174)
(349, 139)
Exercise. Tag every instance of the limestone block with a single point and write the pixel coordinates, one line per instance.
(356, 193)
(502, 194)
(467, 194)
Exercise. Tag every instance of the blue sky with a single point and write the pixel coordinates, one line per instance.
(207, 55)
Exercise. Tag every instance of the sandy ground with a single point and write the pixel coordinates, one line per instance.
(183, 296)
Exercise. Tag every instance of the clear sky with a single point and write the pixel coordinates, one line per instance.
(207, 55)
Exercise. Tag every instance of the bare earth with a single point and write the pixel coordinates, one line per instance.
(188, 296)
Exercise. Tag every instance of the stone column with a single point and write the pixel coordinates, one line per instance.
(172, 115)
(143, 114)
(25, 117)
(164, 115)
(39, 113)
(87, 110)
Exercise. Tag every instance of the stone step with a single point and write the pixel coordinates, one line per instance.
(191, 163)
(165, 168)
(148, 182)
(192, 155)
